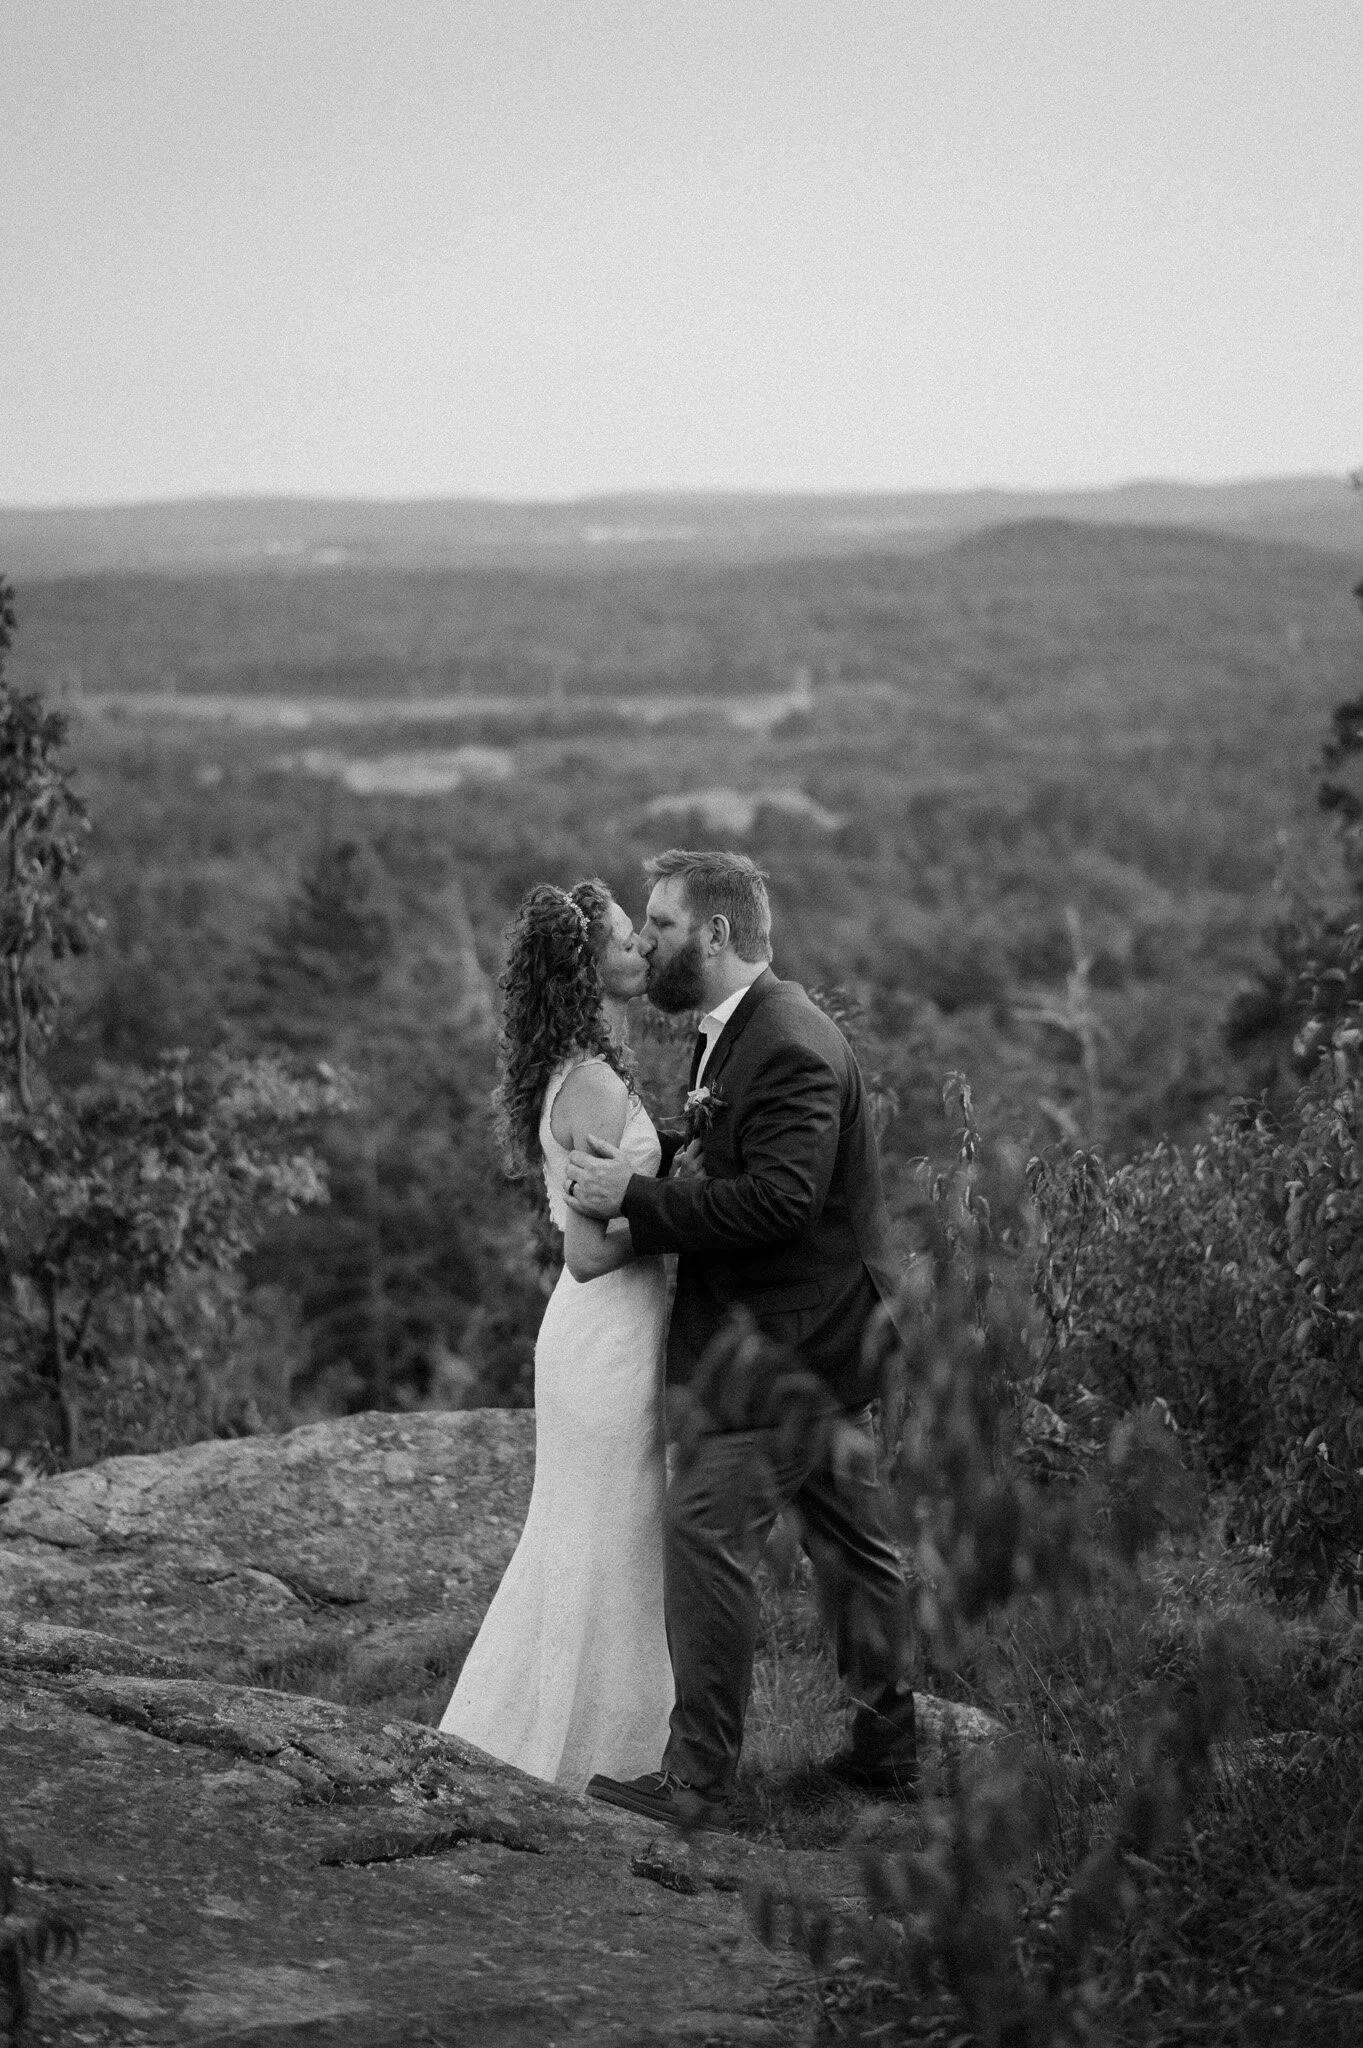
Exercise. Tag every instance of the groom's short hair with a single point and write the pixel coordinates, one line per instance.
(722, 885)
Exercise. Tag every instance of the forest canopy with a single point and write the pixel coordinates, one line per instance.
(1028, 800)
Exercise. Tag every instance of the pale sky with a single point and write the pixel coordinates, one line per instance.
(536, 248)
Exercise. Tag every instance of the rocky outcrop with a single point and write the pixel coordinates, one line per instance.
(228, 1554)
(259, 1865)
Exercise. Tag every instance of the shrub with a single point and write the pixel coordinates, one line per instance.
(43, 827)
(126, 1204)
(1314, 975)
(125, 1207)
(1227, 1282)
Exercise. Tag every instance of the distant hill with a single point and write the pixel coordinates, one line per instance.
(992, 607)
(237, 535)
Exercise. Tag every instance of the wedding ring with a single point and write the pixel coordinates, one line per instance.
(572, 1187)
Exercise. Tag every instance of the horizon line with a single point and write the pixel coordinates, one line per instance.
(692, 493)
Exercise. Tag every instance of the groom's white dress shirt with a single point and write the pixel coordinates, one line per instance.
(712, 1023)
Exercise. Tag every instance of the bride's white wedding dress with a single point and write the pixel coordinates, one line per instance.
(569, 1673)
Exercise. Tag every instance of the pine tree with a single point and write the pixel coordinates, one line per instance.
(329, 950)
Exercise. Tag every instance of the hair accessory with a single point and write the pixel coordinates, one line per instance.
(584, 922)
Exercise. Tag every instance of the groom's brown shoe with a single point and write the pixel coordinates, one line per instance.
(658, 1795)
(882, 1757)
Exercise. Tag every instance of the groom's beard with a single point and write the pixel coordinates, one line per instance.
(679, 983)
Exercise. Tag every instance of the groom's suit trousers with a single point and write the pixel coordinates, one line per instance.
(721, 1506)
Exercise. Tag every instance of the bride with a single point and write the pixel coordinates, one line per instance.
(569, 1673)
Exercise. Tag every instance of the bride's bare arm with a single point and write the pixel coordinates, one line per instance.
(593, 1101)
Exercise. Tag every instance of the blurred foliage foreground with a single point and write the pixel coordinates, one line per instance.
(1160, 1361)
(1165, 1843)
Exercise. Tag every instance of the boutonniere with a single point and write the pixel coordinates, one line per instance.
(700, 1109)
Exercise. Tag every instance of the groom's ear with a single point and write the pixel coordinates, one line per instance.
(719, 930)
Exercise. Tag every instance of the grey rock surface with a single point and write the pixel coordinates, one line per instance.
(262, 1866)
(226, 1553)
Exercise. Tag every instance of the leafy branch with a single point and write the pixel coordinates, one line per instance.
(28, 1937)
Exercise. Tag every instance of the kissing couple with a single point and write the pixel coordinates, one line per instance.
(617, 1654)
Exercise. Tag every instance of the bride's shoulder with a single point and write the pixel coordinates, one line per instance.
(590, 1092)
(592, 1079)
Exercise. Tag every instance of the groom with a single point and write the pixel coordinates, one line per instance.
(789, 1225)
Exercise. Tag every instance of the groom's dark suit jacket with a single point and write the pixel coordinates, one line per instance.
(790, 1220)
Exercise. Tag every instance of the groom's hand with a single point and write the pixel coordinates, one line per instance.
(596, 1180)
(689, 1162)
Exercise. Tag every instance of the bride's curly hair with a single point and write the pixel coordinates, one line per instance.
(553, 1005)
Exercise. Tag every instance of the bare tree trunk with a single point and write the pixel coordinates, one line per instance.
(16, 1003)
(376, 1291)
(66, 1404)
(16, 992)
